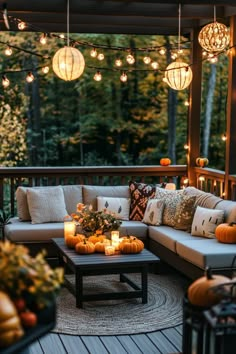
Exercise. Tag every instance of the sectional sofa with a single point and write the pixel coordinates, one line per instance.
(177, 225)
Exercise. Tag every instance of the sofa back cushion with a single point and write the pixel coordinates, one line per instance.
(229, 208)
(203, 199)
(46, 204)
(73, 195)
(90, 193)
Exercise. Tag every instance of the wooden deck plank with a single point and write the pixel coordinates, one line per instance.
(129, 345)
(94, 345)
(145, 344)
(162, 343)
(113, 345)
(52, 344)
(73, 344)
(174, 337)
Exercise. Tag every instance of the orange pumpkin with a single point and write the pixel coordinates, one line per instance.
(131, 244)
(202, 161)
(96, 238)
(165, 161)
(201, 292)
(85, 247)
(226, 233)
(72, 240)
(100, 246)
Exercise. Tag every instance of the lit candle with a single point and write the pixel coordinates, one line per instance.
(69, 228)
(109, 250)
(115, 239)
(170, 186)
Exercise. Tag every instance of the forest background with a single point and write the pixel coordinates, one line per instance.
(50, 122)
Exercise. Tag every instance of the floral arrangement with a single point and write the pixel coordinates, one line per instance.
(23, 276)
(95, 221)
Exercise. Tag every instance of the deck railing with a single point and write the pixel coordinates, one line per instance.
(207, 179)
(12, 177)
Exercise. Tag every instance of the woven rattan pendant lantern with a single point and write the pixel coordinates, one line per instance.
(178, 75)
(214, 37)
(68, 62)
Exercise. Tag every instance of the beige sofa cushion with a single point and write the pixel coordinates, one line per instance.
(22, 204)
(73, 195)
(230, 209)
(46, 204)
(90, 193)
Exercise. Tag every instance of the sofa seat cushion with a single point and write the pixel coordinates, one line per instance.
(24, 231)
(135, 228)
(206, 252)
(167, 236)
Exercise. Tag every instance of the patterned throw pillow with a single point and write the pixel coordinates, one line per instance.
(171, 198)
(153, 212)
(184, 213)
(140, 193)
(205, 222)
(119, 206)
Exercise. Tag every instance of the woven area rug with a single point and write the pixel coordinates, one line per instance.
(116, 317)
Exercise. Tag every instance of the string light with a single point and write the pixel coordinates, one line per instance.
(30, 77)
(93, 53)
(5, 81)
(123, 77)
(8, 51)
(130, 59)
(45, 69)
(98, 76)
(147, 60)
(100, 56)
(186, 103)
(224, 137)
(43, 39)
(155, 65)
(162, 51)
(21, 25)
(186, 147)
(118, 62)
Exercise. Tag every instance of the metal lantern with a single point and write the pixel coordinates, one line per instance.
(220, 330)
(214, 37)
(68, 63)
(178, 75)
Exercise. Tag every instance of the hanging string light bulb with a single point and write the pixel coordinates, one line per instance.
(162, 51)
(100, 56)
(21, 25)
(155, 65)
(68, 62)
(118, 62)
(93, 53)
(5, 81)
(214, 37)
(30, 77)
(8, 51)
(45, 69)
(43, 39)
(130, 59)
(178, 75)
(123, 77)
(98, 76)
(147, 59)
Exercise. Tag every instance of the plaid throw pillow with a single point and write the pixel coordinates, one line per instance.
(140, 193)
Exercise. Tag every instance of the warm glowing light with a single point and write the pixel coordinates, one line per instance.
(186, 103)
(174, 56)
(43, 39)
(8, 51)
(62, 36)
(100, 56)
(178, 75)
(224, 137)
(5, 81)
(98, 76)
(130, 59)
(68, 63)
(155, 65)
(201, 178)
(123, 77)
(162, 51)
(45, 69)
(30, 77)
(214, 37)
(93, 53)
(147, 60)
(118, 62)
(21, 26)
(186, 147)
(213, 60)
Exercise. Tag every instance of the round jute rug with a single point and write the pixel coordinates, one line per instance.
(116, 317)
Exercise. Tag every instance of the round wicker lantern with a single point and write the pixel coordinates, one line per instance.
(214, 37)
(68, 63)
(178, 75)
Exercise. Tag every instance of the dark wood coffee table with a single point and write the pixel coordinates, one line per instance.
(99, 264)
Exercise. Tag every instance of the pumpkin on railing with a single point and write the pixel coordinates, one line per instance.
(202, 161)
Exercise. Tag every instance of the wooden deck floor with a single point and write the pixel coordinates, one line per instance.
(167, 341)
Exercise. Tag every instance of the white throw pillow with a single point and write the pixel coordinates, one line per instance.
(46, 204)
(205, 221)
(120, 207)
(153, 212)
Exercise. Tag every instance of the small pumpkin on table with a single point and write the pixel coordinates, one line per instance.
(131, 244)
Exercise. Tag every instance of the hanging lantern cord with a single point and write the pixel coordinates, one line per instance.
(68, 21)
(179, 27)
